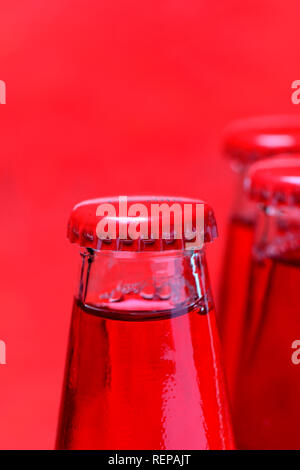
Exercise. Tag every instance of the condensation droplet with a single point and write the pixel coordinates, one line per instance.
(164, 292)
(116, 296)
(148, 292)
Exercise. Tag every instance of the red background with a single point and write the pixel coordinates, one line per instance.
(113, 97)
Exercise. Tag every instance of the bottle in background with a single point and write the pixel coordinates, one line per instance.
(245, 142)
(266, 407)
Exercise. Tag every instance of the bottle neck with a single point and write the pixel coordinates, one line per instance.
(128, 285)
(144, 384)
(277, 233)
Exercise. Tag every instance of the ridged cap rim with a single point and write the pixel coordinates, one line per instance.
(249, 140)
(275, 182)
(83, 222)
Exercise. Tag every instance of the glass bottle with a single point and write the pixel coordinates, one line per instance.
(245, 142)
(266, 408)
(143, 367)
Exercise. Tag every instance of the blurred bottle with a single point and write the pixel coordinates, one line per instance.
(266, 407)
(143, 367)
(246, 142)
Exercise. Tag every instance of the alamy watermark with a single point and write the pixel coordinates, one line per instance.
(2, 352)
(295, 96)
(295, 358)
(2, 92)
(2, 343)
(164, 219)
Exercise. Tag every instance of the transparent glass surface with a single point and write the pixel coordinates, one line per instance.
(143, 367)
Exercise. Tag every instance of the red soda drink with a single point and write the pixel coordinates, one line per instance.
(245, 142)
(143, 366)
(266, 408)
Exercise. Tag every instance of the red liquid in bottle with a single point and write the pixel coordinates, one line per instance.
(143, 383)
(267, 411)
(233, 298)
